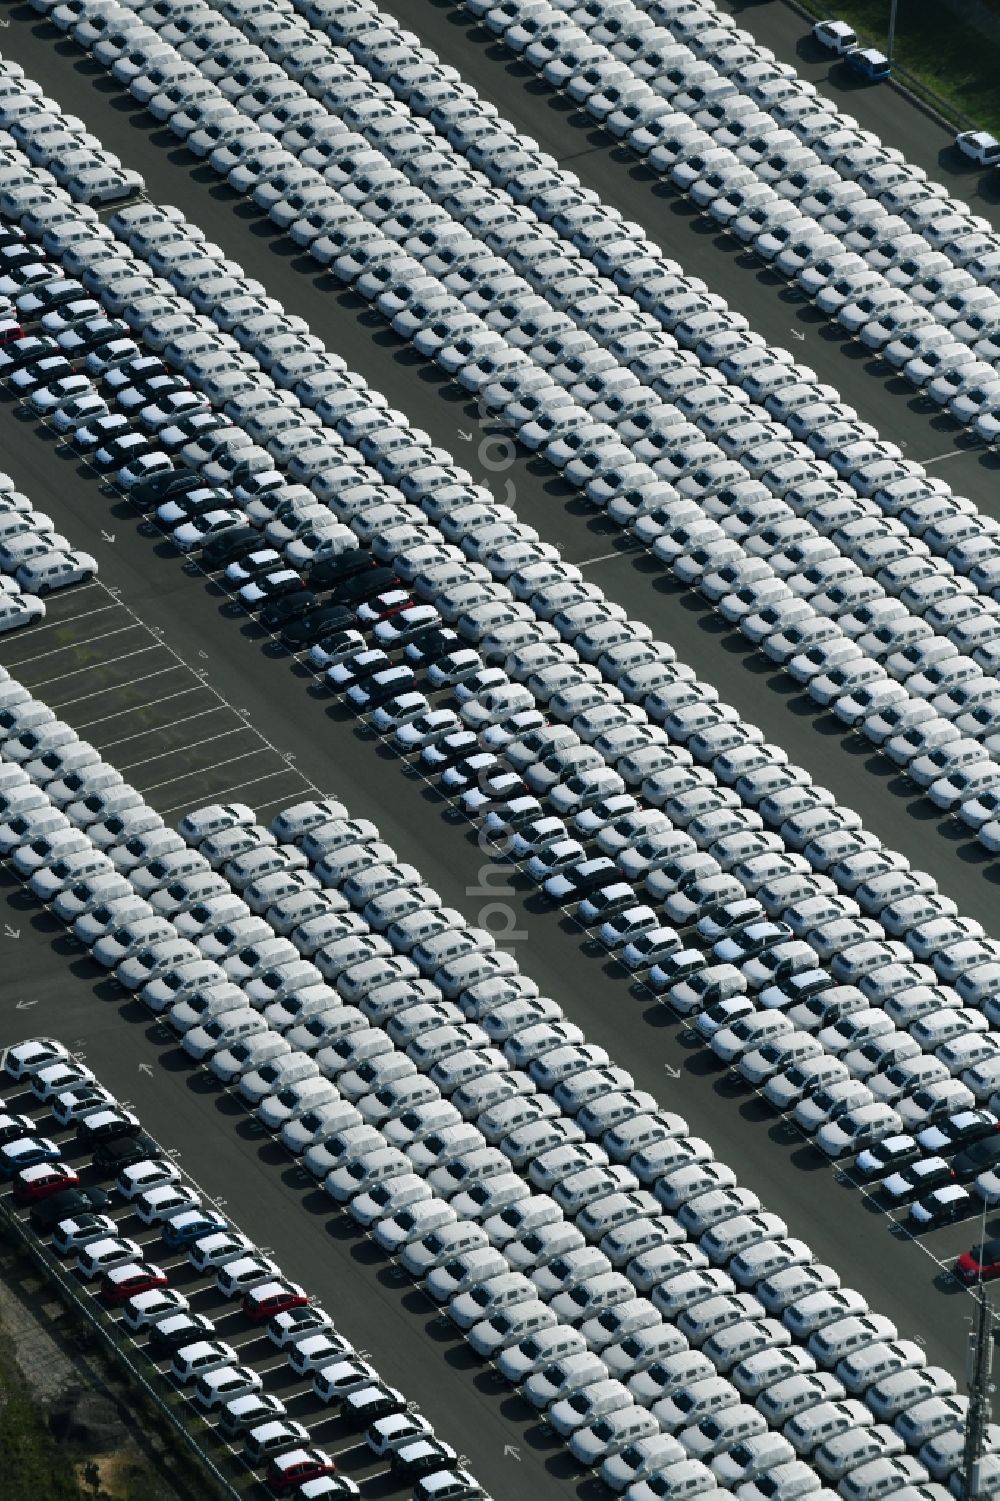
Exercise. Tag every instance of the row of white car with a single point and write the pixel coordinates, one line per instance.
(34, 558)
(162, 1319)
(385, 1047)
(761, 149)
(386, 121)
(80, 163)
(919, 575)
(693, 811)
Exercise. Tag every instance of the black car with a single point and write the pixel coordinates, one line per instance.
(21, 352)
(370, 1404)
(585, 877)
(106, 1125)
(13, 1127)
(160, 487)
(149, 388)
(449, 750)
(424, 1456)
(100, 431)
(111, 1156)
(51, 367)
(979, 1157)
(40, 299)
(177, 1330)
(431, 644)
(224, 549)
(108, 356)
(47, 1213)
(327, 573)
(18, 252)
(143, 367)
(359, 668)
(354, 591)
(381, 687)
(314, 626)
(287, 607)
(91, 333)
(122, 451)
(467, 770)
(177, 435)
(192, 503)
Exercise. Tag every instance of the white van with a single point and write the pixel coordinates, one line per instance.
(824, 1421)
(711, 1315)
(841, 1338)
(857, 1446)
(731, 1236)
(611, 1212)
(882, 1477)
(873, 1363)
(794, 1394)
(746, 1338)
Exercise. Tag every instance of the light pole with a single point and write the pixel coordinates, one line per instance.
(978, 1371)
(892, 29)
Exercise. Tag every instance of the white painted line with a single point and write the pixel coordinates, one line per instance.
(49, 625)
(200, 771)
(220, 698)
(953, 453)
(78, 672)
(154, 729)
(60, 650)
(239, 786)
(616, 552)
(133, 708)
(182, 749)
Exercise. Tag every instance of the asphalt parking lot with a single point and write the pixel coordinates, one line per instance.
(119, 683)
(184, 609)
(844, 762)
(255, 1350)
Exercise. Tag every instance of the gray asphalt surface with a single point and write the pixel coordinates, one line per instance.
(902, 1279)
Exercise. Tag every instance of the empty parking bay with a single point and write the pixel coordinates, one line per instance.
(151, 714)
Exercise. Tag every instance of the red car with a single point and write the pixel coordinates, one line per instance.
(272, 1298)
(43, 1179)
(392, 602)
(290, 1470)
(982, 1262)
(120, 1284)
(10, 329)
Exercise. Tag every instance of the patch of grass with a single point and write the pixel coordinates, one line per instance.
(947, 56)
(33, 1466)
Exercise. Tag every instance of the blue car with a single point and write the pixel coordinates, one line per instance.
(869, 63)
(189, 1225)
(26, 1151)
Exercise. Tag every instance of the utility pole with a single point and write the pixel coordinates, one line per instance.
(978, 1369)
(892, 29)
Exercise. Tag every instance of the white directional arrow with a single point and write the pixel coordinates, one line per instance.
(672, 1073)
(511, 1451)
(23, 1005)
(10, 932)
(144, 1068)
(108, 536)
(465, 437)
(796, 335)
